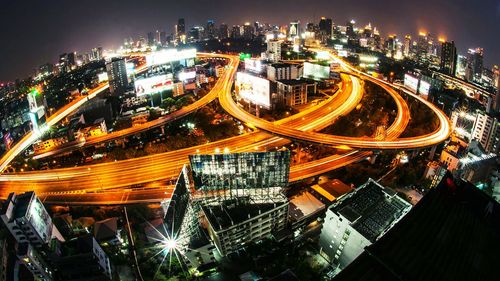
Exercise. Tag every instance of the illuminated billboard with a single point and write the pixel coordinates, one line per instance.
(130, 68)
(254, 65)
(411, 82)
(152, 85)
(316, 71)
(254, 89)
(101, 77)
(424, 88)
(40, 219)
(183, 76)
(240, 170)
(170, 55)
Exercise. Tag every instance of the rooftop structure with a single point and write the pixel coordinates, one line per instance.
(359, 219)
(450, 234)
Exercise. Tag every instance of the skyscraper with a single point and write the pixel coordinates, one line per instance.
(422, 48)
(294, 29)
(223, 31)
(407, 46)
(181, 27)
(325, 28)
(448, 58)
(211, 31)
(117, 74)
(475, 63)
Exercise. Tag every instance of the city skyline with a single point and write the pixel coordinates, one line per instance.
(68, 31)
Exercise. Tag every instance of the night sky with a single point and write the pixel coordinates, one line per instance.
(34, 32)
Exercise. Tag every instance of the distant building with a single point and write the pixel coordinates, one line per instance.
(223, 31)
(274, 50)
(117, 75)
(448, 58)
(358, 219)
(283, 71)
(487, 131)
(294, 92)
(475, 64)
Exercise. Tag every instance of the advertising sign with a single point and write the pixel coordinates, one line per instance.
(253, 65)
(183, 76)
(316, 71)
(152, 85)
(411, 82)
(166, 56)
(254, 89)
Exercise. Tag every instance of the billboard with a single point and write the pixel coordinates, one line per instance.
(152, 85)
(101, 77)
(40, 219)
(240, 170)
(411, 82)
(254, 65)
(183, 76)
(254, 89)
(424, 87)
(170, 55)
(316, 71)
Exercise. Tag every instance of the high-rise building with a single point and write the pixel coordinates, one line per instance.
(274, 50)
(117, 75)
(448, 58)
(242, 198)
(294, 30)
(97, 53)
(27, 219)
(180, 27)
(487, 132)
(151, 39)
(211, 31)
(223, 31)
(248, 31)
(283, 71)
(236, 31)
(407, 46)
(475, 63)
(325, 29)
(358, 219)
(294, 92)
(422, 48)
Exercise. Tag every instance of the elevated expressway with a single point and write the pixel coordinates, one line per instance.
(110, 183)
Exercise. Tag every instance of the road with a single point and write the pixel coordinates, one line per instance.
(122, 174)
(110, 183)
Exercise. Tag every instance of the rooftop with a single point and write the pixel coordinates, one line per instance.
(451, 234)
(304, 205)
(371, 209)
(233, 212)
(333, 189)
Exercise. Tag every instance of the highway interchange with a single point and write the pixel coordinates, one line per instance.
(114, 182)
